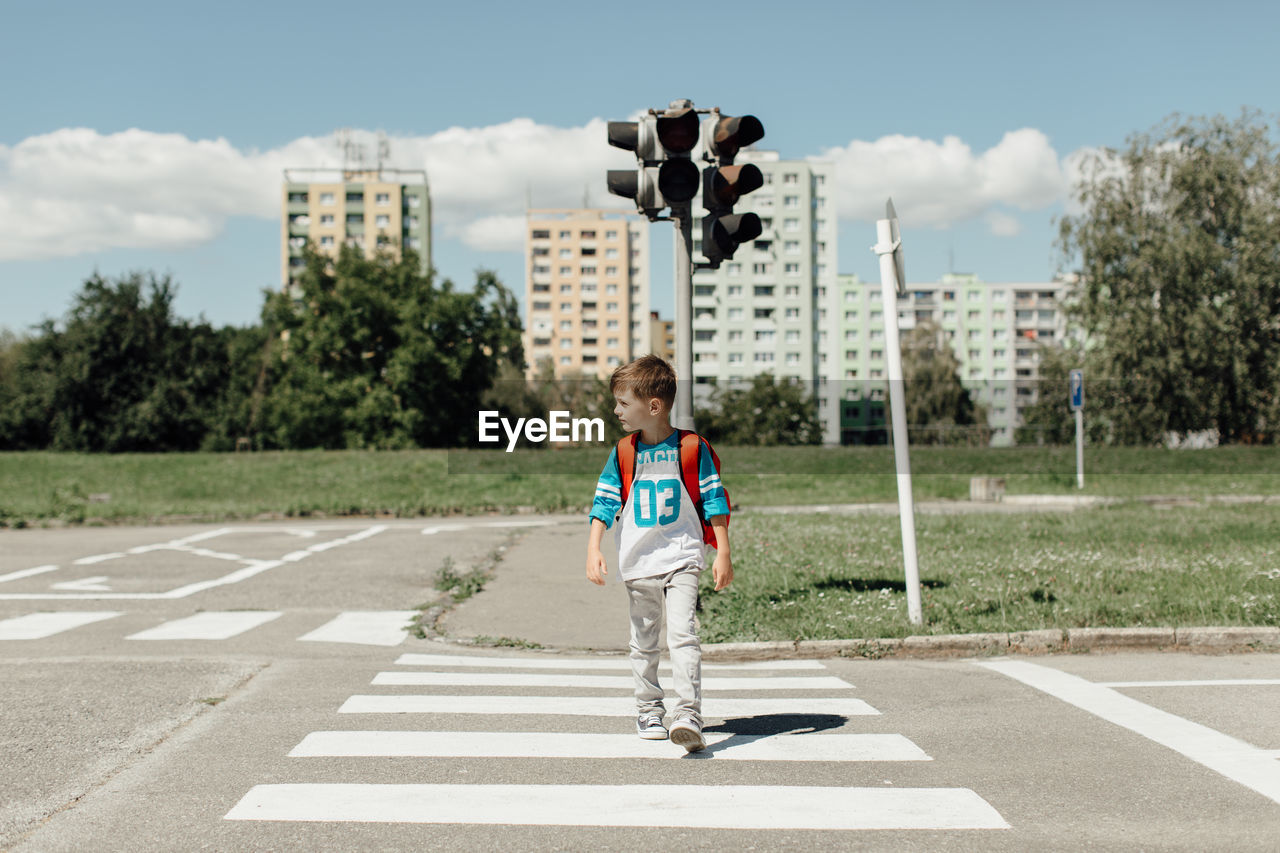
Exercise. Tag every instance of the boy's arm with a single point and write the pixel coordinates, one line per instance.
(722, 568)
(596, 567)
(604, 508)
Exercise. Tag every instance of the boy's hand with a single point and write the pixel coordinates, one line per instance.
(722, 571)
(596, 567)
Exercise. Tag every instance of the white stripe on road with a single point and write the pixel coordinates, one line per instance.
(1239, 761)
(1220, 682)
(619, 664)
(98, 558)
(604, 682)
(720, 745)
(214, 625)
(37, 626)
(720, 807)
(26, 573)
(593, 706)
(365, 627)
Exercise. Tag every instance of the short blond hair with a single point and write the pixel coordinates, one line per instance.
(646, 377)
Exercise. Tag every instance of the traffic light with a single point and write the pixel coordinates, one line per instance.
(723, 184)
(665, 174)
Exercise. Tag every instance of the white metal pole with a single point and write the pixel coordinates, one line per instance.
(898, 409)
(684, 316)
(1079, 448)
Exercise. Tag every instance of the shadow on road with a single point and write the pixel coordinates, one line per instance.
(744, 729)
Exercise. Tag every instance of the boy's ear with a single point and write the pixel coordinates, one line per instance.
(655, 405)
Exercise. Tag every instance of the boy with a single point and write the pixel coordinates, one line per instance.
(660, 546)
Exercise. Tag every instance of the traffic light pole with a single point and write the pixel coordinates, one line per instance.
(682, 217)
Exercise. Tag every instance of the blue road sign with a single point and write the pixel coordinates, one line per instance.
(1077, 390)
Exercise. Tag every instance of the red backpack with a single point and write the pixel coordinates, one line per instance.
(690, 443)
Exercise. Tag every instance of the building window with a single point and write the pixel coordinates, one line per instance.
(382, 199)
(735, 313)
(791, 225)
(540, 234)
(588, 235)
(763, 314)
(791, 201)
(850, 334)
(566, 307)
(764, 290)
(792, 336)
(326, 219)
(791, 247)
(735, 358)
(793, 314)
(416, 202)
(383, 221)
(791, 178)
(355, 198)
(589, 269)
(735, 269)
(735, 335)
(326, 241)
(566, 288)
(326, 199)
(764, 336)
(791, 290)
(791, 269)
(763, 357)
(611, 235)
(542, 306)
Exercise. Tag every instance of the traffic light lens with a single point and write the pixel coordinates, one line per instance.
(678, 180)
(678, 133)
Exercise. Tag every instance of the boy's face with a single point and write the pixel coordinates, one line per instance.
(634, 413)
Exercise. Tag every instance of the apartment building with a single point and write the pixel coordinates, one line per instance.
(993, 328)
(586, 290)
(662, 337)
(767, 310)
(373, 209)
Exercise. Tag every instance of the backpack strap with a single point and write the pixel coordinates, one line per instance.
(690, 447)
(627, 463)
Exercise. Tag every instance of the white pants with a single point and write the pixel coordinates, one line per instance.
(673, 596)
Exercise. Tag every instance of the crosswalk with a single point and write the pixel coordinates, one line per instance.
(360, 627)
(794, 690)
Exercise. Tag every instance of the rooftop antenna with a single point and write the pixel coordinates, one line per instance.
(384, 150)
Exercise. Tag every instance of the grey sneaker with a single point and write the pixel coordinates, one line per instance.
(687, 732)
(650, 727)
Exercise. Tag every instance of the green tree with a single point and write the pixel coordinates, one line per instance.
(375, 354)
(939, 408)
(766, 412)
(121, 374)
(1178, 249)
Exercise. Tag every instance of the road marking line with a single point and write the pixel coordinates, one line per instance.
(689, 806)
(443, 528)
(98, 558)
(621, 682)
(1220, 682)
(366, 627)
(1239, 761)
(37, 626)
(620, 664)
(214, 625)
(593, 706)
(94, 584)
(255, 567)
(26, 573)
(720, 745)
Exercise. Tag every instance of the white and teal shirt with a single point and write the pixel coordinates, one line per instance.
(659, 529)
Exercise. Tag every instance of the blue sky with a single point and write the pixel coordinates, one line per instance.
(150, 136)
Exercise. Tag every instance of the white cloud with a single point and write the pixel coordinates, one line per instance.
(495, 233)
(942, 183)
(1003, 225)
(77, 190)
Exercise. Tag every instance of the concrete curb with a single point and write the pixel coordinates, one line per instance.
(1213, 639)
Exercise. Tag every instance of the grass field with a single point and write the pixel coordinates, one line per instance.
(819, 577)
(806, 576)
(82, 488)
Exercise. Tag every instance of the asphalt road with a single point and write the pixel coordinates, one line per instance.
(252, 688)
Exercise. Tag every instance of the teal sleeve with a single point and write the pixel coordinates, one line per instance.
(608, 498)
